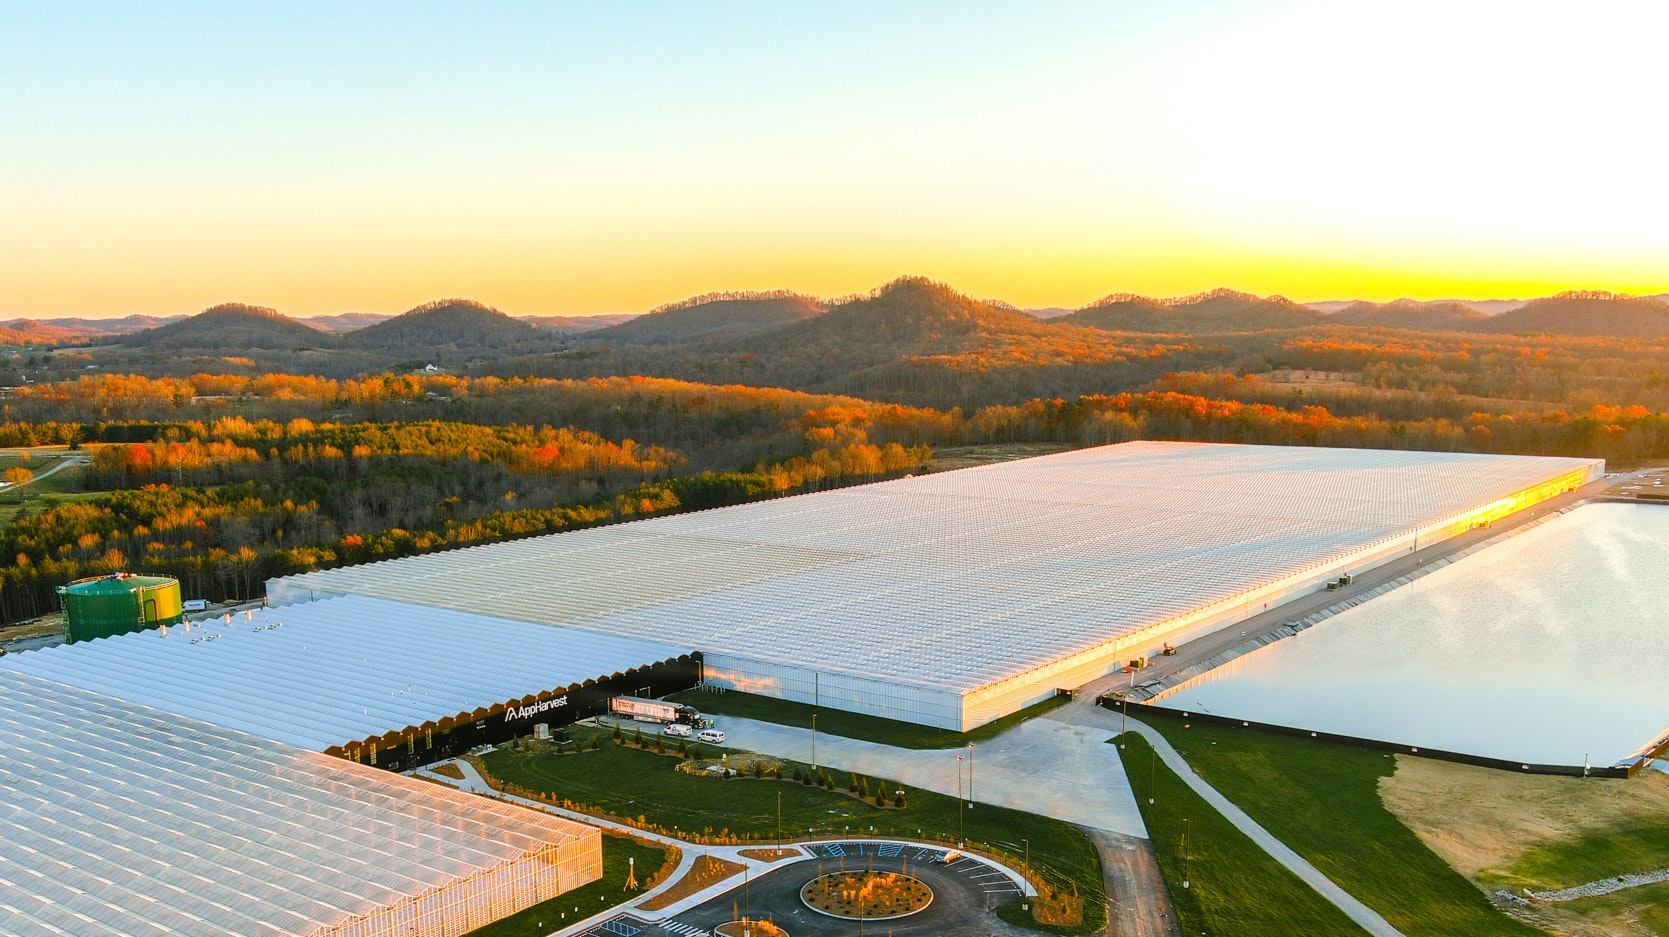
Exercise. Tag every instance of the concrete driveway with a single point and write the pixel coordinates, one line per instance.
(1044, 766)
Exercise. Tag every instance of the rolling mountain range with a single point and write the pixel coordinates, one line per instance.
(909, 317)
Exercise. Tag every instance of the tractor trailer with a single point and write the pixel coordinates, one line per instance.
(654, 710)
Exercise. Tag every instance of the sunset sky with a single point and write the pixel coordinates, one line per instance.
(571, 159)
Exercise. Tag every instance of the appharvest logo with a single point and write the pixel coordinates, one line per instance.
(522, 712)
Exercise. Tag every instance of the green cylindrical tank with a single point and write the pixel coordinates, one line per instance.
(111, 605)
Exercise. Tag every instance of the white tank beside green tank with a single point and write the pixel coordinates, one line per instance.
(110, 605)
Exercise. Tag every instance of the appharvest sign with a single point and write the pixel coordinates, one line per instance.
(523, 712)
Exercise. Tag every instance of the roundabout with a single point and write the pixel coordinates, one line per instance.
(871, 896)
(918, 890)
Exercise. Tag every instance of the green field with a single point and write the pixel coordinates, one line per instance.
(582, 902)
(1643, 910)
(1234, 887)
(1575, 860)
(854, 725)
(1322, 800)
(627, 782)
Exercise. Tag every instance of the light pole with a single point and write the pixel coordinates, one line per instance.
(959, 800)
(1184, 852)
(779, 816)
(1152, 772)
(1026, 869)
(970, 775)
(813, 742)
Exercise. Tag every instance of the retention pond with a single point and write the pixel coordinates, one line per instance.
(1551, 646)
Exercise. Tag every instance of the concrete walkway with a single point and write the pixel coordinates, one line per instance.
(474, 783)
(1368, 918)
(1043, 766)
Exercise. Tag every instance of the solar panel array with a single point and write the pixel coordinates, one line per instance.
(958, 580)
(118, 819)
(339, 670)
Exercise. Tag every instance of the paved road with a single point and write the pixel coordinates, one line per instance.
(61, 464)
(962, 896)
(1367, 917)
(1059, 766)
(1197, 650)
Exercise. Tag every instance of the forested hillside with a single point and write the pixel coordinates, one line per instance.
(217, 462)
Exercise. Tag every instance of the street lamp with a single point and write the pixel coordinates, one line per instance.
(1184, 852)
(959, 800)
(814, 742)
(970, 775)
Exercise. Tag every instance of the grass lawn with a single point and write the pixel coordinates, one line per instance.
(854, 725)
(600, 895)
(1635, 910)
(1575, 860)
(628, 782)
(65, 482)
(1234, 886)
(1322, 800)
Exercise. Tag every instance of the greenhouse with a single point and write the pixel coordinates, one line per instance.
(951, 599)
(390, 683)
(117, 819)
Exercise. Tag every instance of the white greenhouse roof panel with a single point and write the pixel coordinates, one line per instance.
(117, 819)
(960, 580)
(337, 670)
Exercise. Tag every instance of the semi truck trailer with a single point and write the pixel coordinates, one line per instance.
(654, 710)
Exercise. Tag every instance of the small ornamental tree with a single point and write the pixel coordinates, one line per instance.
(853, 784)
(898, 800)
(683, 748)
(865, 789)
(617, 736)
(660, 745)
(758, 770)
(637, 737)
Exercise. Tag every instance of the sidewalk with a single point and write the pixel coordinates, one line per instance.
(475, 784)
(1368, 918)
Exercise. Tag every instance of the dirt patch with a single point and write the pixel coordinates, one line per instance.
(449, 770)
(1482, 819)
(959, 457)
(770, 855)
(705, 871)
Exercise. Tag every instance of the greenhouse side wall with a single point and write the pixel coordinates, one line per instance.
(875, 697)
(489, 896)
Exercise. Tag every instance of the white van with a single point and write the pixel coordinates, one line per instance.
(677, 730)
(710, 736)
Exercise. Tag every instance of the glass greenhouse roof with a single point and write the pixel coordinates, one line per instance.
(118, 819)
(958, 580)
(338, 670)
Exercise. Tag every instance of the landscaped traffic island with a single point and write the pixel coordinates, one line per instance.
(867, 895)
(746, 928)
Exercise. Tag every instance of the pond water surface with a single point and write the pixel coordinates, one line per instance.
(1550, 646)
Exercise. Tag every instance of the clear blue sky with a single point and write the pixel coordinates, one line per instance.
(606, 157)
